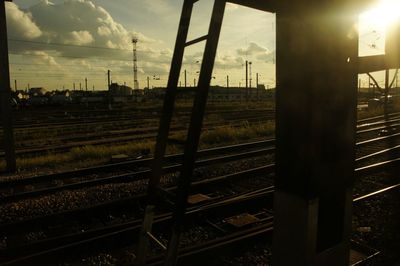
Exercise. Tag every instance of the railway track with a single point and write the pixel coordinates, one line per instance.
(122, 235)
(121, 130)
(36, 184)
(77, 245)
(115, 134)
(368, 151)
(48, 117)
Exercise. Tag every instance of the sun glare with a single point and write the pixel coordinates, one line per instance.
(382, 15)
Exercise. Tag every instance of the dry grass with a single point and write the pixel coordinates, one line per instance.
(86, 156)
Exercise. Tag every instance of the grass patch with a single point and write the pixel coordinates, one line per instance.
(232, 135)
(79, 157)
(87, 156)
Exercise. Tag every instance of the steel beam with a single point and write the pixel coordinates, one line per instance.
(262, 5)
(367, 64)
(5, 95)
(316, 101)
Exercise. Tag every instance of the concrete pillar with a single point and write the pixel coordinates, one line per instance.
(317, 50)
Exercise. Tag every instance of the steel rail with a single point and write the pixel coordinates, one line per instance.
(185, 252)
(132, 164)
(120, 235)
(145, 173)
(38, 222)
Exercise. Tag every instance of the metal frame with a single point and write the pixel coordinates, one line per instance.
(5, 95)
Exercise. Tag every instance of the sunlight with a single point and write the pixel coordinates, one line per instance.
(382, 15)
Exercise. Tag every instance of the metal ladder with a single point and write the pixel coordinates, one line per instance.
(155, 193)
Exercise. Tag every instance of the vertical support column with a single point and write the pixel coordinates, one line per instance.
(194, 131)
(5, 94)
(317, 50)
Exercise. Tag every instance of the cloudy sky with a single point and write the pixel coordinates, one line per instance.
(54, 44)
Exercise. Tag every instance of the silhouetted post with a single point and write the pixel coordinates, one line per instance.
(194, 82)
(109, 88)
(148, 82)
(369, 84)
(5, 95)
(185, 79)
(258, 96)
(386, 93)
(15, 85)
(250, 74)
(315, 166)
(86, 84)
(227, 81)
(247, 80)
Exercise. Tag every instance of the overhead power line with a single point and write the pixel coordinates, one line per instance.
(67, 45)
(72, 45)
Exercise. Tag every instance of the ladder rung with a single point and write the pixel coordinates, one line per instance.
(156, 240)
(200, 39)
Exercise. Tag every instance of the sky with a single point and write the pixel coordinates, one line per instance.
(56, 44)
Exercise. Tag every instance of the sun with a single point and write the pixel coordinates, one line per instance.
(384, 13)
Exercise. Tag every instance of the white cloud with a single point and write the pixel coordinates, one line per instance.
(252, 49)
(79, 37)
(74, 22)
(103, 31)
(21, 23)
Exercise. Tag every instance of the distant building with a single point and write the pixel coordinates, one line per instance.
(120, 90)
(217, 93)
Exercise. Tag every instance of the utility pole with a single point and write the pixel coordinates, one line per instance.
(258, 94)
(227, 81)
(385, 107)
(369, 84)
(247, 78)
(5, 95)
(108, 79)
(135, 74)
(257, 80)
(185, 79)
(148, 82)
(250, 63)
(109, 87)
(86, 84)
